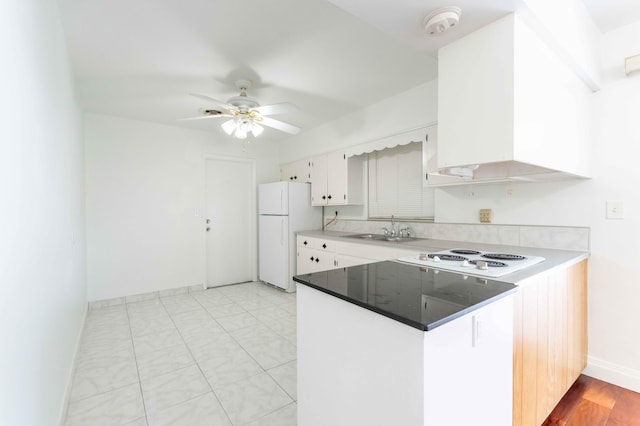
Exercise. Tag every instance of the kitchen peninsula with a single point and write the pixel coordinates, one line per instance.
(474, 349)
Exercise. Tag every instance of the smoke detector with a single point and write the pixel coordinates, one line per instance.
(440, 20)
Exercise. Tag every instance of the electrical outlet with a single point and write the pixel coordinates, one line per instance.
(485, 215)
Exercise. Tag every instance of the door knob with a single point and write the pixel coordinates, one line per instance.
(208, 229)
(208, 221)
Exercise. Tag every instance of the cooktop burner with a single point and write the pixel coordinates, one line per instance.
(464, 251)
(503, 256)
(490, 263)
(452, 257)
(474, 262)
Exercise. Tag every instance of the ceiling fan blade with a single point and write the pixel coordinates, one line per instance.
(201, 117)
(216, 102)
(280, 125)
(280, 108)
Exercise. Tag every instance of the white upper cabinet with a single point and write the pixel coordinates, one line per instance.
(430, 175)
(297, 171)
(509, 107)
(336, 179)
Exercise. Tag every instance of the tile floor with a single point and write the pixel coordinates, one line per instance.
(224, 356)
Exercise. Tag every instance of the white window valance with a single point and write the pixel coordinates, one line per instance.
(404, 137)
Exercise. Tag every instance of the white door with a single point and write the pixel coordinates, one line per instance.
(230, 213)
(274, 250)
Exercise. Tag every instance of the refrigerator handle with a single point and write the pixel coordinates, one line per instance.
(282, 232)
(282, 200)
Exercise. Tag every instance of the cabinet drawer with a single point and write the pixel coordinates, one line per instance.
(366, 251)
(316, 243)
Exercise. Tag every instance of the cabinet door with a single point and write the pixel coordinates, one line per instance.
(286, 171)
(336, 178)
(298, 171)
(430, 175)
(319, 180)
(311, 260)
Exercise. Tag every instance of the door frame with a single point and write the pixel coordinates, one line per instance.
(253, 227)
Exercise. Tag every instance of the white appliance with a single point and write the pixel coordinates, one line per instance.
(474, 262)
(284, 208)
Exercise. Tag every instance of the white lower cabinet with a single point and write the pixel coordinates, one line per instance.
(313, 260)
(344, 261)
(372, 370)
(319, 254)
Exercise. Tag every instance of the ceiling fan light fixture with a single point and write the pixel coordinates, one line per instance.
(240, 133)
(229, 126)
(256, 129)
(441, 20)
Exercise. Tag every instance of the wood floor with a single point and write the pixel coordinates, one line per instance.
(592, 402)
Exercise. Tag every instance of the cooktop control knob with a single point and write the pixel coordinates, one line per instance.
(481, 264)
(465, 263)
(436, 259)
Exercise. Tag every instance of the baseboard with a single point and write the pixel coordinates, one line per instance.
(613, 373)
(141, 297)
(67, 392)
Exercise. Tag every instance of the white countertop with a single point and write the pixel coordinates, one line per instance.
(553, 258)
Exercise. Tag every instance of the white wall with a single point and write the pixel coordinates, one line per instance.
(414, 108)
(614, 349)
(42, 263)
(144, 201)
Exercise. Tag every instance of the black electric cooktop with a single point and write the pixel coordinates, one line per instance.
(424, 298)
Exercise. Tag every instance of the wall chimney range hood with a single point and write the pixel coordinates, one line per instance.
(509, 108)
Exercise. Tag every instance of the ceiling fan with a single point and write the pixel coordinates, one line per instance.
(245, 115)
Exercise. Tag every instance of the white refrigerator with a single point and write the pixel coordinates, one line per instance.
(284, 208)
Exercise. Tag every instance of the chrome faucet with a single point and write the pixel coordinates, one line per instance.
(393, 226)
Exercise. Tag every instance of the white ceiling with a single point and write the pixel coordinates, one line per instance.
(141, 58)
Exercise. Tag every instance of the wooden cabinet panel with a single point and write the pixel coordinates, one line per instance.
(550, 341)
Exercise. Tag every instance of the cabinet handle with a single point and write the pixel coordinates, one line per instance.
(312, 259)
(324, 197)
(305, 243)
(324, 246)
(295, 178)
(329, 197)
(317, 260)
(291, 178)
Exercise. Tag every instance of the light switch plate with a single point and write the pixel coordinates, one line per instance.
(615, 210)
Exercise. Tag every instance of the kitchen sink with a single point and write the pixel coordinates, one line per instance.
(380, 237)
